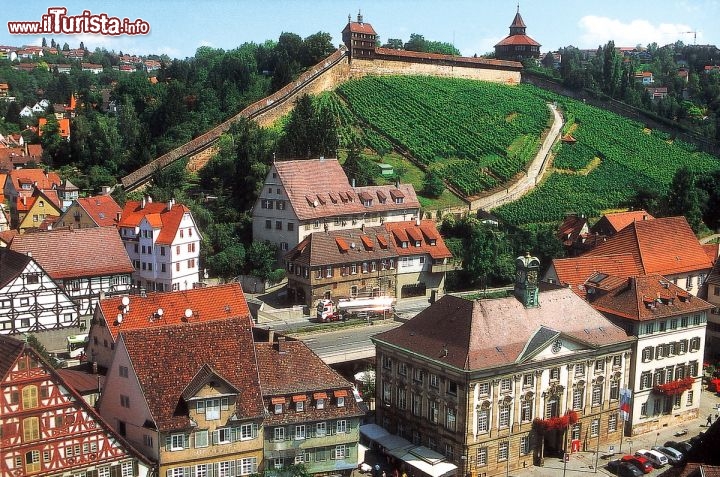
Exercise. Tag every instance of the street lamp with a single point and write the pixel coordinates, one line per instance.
(629, 441)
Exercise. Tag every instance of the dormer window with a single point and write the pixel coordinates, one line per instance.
(300, 406)
(341, 401)
(417, 243)
(399, 200)
(320, 403)
(278, 408)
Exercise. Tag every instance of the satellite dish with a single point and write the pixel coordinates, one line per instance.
(188, 313)
(125, 300)
(119, 318)
(160, 312)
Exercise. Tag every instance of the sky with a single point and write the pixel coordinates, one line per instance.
(178, 28)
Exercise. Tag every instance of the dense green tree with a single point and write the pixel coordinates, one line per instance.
(394, 43)
(55, 148)
(710, 184)
(316, 47)
(417, 42)
(433, 185)
(684, 198)
(358, 168)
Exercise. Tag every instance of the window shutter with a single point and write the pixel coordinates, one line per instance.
(168, 473)
(210, 470)
(186, 471)
(254, 430)
(186, 441)
(232, 467)
(215, 437)
(167, 442)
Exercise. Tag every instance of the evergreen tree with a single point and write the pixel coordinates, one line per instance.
(684, 198)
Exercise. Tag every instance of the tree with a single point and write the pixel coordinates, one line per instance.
(394, 43)
(55, 147)
(358, 168)
(684, 198)
(316, 47)
(44, 42)
(433, 185)
(416, 43)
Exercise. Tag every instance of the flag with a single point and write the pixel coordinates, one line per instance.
(625, 396)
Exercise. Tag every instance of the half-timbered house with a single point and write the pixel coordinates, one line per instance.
(47, 429)
(31, 301)
(85, 262)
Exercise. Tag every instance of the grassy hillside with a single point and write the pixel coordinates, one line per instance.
(478, 135)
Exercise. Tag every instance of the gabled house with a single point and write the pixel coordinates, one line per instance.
(496, 385)
(423, 259)
(342, 263)
(84, 262)
(666, 361)
(136, 312)
(359, 37)
(23, 182)
(644, 77)
(32, 302)
(26, 112)
(163, 243)
(655, 94)
(612, 223)
(67, 192)
(202, 416)
(63, 127)
(34, 210)
(92, 68)
(47, 427)
(314, 195)
(95, 211)
(312, 416)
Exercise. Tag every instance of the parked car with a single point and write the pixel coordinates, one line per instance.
(656, 458)
(683, 447)
(641, 463)
(674, 456)
(623, 469)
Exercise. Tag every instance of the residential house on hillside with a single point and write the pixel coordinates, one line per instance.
(312, 416)
(610, 224)
(95, 211)
(31, 301)
(33, 211)
(342, 263)
(666, 246)
(163, 244)
(657, 93)
(202, 417)
(124, 313)
(23, 182)
(47, 427)
(63, 127)
(67, 192)
(84, 262)
(399, 259)
(423, 259)
(644, 77)
(666, 362)
(517, 45)
(496, 385)
(314, 195)
(359, 37)
(572, 233)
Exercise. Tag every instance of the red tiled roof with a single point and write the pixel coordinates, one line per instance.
(611, 224)
(76, 253)
(290, 368)
(402, 229)
(357, 27)
(518, 22)
(102, 209)
(34, 176)
(169, 220)
(644, 298)
(339, 247)
(82, 381)
(311, 184)
(574, 272)
(224, 346)
(207, 304)
(712, 250)
(664, 246)
(473, 335)
(513, 40)
(7, 236)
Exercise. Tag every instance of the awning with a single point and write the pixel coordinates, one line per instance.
(373, 431)
(425, 460)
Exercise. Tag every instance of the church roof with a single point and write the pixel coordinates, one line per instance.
(518, 21)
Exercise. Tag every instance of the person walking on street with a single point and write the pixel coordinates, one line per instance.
(709, 420)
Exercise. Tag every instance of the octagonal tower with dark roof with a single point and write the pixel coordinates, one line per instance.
(517, 45)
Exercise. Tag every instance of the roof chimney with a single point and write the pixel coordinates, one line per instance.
(142, 203)
(281, 344)
(118, 216)
(169, 204)
(271, 335)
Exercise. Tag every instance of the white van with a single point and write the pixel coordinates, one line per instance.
(656, 458)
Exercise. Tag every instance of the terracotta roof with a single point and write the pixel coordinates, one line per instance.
(473, 335)
(389, 52)
(290, 368)
(571, 227)
(712, 250)
(664, 246)
(37, 177)
(102, 209)
(642, 298)
(360, 27)
(610, 224)
(518, 22)
(312, 184)
(340, 247)
(7, 236)
(81, 380)
(74, 253)
(415, 231)
(517, 40)
(207, 304)
(168, 221)
(226, 346)
(574, 272)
